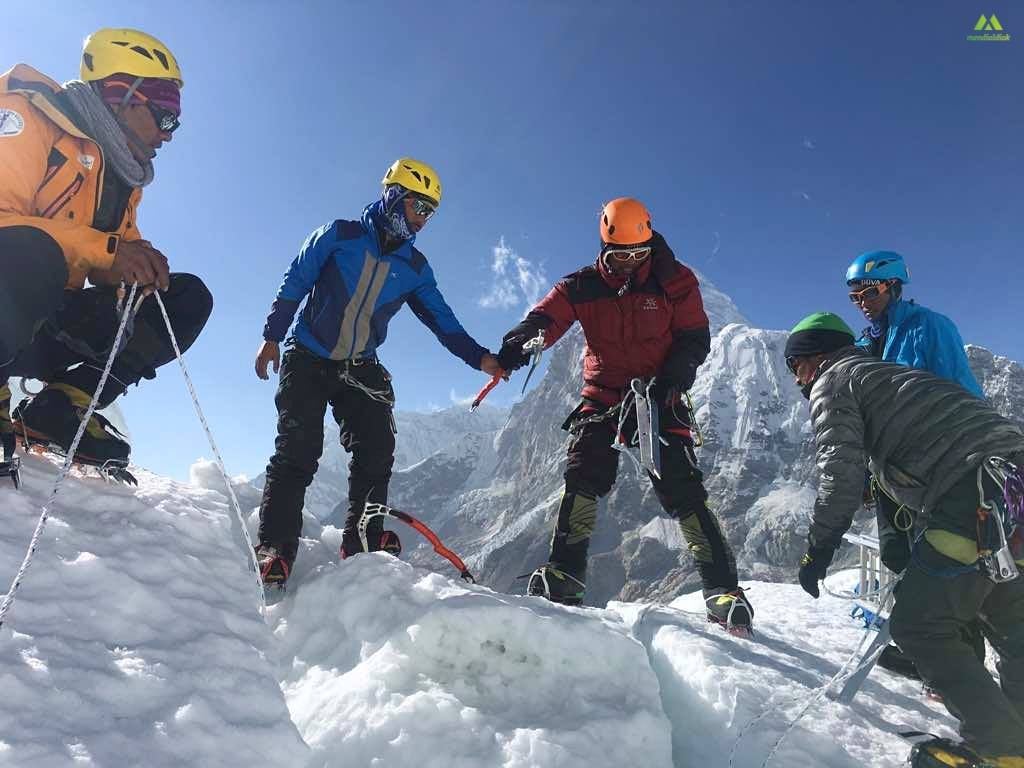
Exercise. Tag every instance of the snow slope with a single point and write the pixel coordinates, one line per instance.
(136, 640)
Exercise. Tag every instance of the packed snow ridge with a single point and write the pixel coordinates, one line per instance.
(137, 640)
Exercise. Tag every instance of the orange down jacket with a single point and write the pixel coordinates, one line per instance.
(51, 175)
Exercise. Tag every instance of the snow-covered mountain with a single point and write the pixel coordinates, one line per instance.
(756, 450)
(492, 496)
(136, 641)
(489, 483)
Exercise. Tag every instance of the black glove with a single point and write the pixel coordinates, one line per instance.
(813, 566)
(668, 390)
(511, 356)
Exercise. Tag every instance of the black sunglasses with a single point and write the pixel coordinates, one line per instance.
(166, 120)
(792, 362)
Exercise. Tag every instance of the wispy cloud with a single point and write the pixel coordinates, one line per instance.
(457, 399)
(805, 196)
(715, 248)
(809, 144)
(515, 281)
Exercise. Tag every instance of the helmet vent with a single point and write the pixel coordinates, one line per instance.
(142, 51)
(426, 182)
(122, 43)
(87, 60)
(161, 58)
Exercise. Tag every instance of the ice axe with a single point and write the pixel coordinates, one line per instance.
(534, 348)
(373, 509)
(640, 400)
(487, 388)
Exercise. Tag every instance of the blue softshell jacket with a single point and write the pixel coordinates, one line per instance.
(354, 290)
(919, 337)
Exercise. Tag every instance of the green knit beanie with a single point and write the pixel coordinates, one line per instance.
(818, 334)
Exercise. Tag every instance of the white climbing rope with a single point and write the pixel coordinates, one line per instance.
(216, 453)
(815, 696)
(8, 600)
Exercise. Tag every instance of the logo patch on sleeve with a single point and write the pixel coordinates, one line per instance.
(11, 123)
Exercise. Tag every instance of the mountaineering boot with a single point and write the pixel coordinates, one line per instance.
(894, 660)
(274, 566)
(943, 753)
(390, 543)
(53, 417)
(731, 609)
(378, 541)
(946, 753)
(562, 578)
(556, 585)
(1001, 761)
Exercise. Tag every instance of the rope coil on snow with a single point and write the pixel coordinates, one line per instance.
(44, 514)
(213, 446)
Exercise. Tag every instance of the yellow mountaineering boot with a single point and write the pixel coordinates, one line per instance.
(53, 416)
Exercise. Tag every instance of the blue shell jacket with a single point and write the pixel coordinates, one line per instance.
(919, 337)
(354, 290)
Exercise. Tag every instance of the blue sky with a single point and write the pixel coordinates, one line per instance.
(772, 142)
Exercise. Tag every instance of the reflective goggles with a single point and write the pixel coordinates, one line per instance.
(423, 207)
(638, 253)
(869, 293)
(792, 362)
(166, 120)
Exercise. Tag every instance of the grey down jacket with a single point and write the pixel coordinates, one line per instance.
(919, 433)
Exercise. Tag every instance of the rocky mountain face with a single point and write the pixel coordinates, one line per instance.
(489, 483)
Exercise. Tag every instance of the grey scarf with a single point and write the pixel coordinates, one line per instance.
(96, 119)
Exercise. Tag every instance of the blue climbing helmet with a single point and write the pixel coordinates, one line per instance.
(878, 265)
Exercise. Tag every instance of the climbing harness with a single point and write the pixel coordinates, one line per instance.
(647, 437)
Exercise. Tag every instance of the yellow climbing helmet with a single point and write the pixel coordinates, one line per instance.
(415, 176)
(109, 51)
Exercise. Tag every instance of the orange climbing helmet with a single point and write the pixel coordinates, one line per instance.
(625, 221)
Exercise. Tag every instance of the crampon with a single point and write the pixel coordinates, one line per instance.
(112, 470)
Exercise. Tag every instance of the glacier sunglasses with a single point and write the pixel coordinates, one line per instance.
(166, 120)
(629, 254)
(422, 207)
(868, 294)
